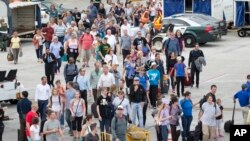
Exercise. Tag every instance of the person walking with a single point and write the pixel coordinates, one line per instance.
(111, 58)
(49, 63)
(125, 44)
(94, 78)
(137, 98)
(38, 43)
(122, 100)
(194, 55)
(174, 112)
(219, 119)
(15, 45)
(48, 33)
(129, 71)
(55, 103)
(78, 110)
(180, 74)
(84, 86)
(86, 41)
(28, 119)
(52, 128)
(186, 105)
(119, 125)
(86, 126)
(171, 45)
(160, 68)
(170, 69)
(71, 46)
(35, 130)
(23, 107)
(103, 109)
(164, 119)
(60, 31)
(106, 79)
(210, 111)
(111, 40)
(92, 136)
(69, 95)
(56, 48)
(103, 49)
(154, 83)
(180, 38)
(61, 91)
(243, 97)
(70, 70)
(42, 94)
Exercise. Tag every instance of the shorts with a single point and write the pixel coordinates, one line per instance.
(218, 123)
(86, 54)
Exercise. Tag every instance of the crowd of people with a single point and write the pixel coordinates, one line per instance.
(104, 32)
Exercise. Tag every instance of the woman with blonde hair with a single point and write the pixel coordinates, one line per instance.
(15, 46)
(55, 103)
(72, 45)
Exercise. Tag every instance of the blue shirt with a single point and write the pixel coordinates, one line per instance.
(143, 81)
(180, 69)
(248, 87)
(187, 107)
(69, 95)
(154, 77)
(55, 49)
(83, 82)
(243, 97)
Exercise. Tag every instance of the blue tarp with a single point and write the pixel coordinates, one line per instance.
(202, 6)
(240, 11)
(173, 7)
(38, 17)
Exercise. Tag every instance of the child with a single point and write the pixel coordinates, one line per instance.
(219, 120)
(35, 130)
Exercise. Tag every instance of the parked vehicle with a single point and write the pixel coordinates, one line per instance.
(22, 17)
(243, 31)
(222, 25)
(193, 30)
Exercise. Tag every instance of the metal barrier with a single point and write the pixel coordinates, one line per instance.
(106, 136)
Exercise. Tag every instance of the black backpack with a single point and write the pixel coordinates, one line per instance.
(76, 84)
(61, 52)
(110, 110)
(202, 100)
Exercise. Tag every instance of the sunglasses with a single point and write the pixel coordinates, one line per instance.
(120, 109)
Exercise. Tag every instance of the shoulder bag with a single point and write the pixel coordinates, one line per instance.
(72, 118)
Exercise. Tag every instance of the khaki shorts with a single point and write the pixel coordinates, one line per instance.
(86, 54)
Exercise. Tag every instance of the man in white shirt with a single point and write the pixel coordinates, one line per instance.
(43, 93)
(111, 40)
(126, 26)
(107, 79)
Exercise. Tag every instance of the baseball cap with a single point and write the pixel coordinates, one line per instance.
(136, 78)
(120, 107)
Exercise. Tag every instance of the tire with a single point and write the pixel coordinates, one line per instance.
(157, 42)
(242, 33)
(189, 40)
(13, 101)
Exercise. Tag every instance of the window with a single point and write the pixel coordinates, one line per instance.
(247, 13)
(178, 22)
(188, 6)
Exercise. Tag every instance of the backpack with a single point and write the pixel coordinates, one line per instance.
(61, 52)
(110, 110)
(76, 84)
(116, 119)
(202, 100)
(51, 100)
(66, 68)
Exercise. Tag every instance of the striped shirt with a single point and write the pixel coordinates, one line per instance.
(60, 30)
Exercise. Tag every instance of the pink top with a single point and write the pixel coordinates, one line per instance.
(86, 41)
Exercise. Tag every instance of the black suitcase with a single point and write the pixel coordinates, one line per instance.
(229, 122)
(191, 136)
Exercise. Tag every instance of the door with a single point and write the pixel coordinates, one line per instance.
(173, 7)
(240, 13)
(189, 6)
(202, 6)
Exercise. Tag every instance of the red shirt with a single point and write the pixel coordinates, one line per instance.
(49, 33)
(28, 119)
(86, 41)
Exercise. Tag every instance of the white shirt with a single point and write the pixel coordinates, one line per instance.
(43, 92)
(111, 41)
(128, 28)
(36, 131)
(108, 58)
(106, 80)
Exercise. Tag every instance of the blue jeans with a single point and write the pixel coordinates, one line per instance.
(164, 132)
(62, 117)
(137, 109)
(39, 52)
(61, 39)
(105, 123)
(67, 118)
(186, 122)
(42, 105)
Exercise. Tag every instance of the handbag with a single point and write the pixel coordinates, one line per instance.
(64, 58)
(20, 53)
(72, 118)
(10, 56)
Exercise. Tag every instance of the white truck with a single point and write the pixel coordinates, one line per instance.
(8, 92)
(23, 17)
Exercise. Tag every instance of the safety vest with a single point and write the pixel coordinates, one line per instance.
(157, 23)
(145, 17)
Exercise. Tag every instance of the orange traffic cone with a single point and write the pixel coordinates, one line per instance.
(170, 136)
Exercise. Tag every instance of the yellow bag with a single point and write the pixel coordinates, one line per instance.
(248, 117)
(136, 133)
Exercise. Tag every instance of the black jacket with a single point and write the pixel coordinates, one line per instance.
(137, 96)
(49, 63)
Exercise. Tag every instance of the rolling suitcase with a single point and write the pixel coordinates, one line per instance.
(229, 122)
(189, 82)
